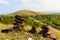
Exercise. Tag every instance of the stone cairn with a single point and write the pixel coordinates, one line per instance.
(33, 30)
(19, 22)
(44, 32)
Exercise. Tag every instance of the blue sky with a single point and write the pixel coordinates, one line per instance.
(8, 6)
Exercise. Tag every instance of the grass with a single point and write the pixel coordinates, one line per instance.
(5, 26)
(23, 35)
(53, 33)
(18, 35)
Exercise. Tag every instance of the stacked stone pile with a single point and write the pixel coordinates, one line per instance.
(45, 34)
(33, 30)
(19, 22)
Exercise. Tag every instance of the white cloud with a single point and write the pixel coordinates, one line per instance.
(4, 2)
(26, 1)
(42, 5)
(17, 6)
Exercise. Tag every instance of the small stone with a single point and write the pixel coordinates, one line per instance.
(29, 38)
(7, 39)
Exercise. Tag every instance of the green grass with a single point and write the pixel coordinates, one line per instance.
(24, 35)
(17, 36)
(53, 20)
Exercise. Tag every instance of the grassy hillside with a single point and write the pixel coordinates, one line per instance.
(7, 20)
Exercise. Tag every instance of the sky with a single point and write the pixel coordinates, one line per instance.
(9, 6)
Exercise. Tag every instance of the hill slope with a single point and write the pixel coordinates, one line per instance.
(27, 13)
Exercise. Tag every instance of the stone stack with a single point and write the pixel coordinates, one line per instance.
(33, 30)
(44, 31)
(45, 34)
(19, 22)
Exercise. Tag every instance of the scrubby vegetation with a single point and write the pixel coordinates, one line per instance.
(53, 20)
(6, 19)
(31, 22)
(10, 20)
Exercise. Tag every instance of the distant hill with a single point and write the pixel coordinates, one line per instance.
(27, 12)
(31, 13)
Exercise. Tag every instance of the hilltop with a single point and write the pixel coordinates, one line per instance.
(27, 13)
(30, 13)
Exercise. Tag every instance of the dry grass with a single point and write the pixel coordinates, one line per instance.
(23, 35)
(53, 33)
(4, 26)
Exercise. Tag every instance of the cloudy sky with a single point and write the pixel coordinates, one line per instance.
(8, 6)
